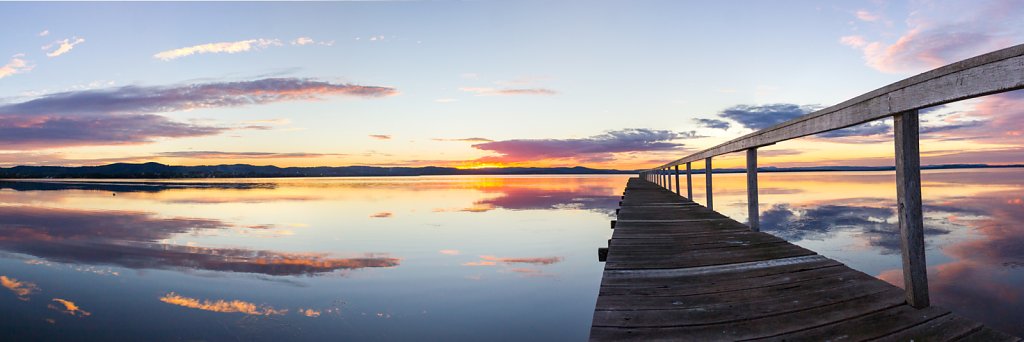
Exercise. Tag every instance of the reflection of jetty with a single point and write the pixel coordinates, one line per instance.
(680, 271)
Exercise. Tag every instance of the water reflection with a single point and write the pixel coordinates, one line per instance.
(122, 186)
(878, 226)
(216, 260)
(974, 240)
(129, 239)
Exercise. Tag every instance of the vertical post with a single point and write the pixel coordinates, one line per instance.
(707, 182)
(668, 177)
(689, 182)
(677, 179)
(753, 213)
(908, 203)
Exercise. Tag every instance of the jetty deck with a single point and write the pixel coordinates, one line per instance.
(676, 270)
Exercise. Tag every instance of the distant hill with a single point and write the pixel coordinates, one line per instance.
(157, 170)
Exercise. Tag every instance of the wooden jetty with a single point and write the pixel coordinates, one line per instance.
(677, 270)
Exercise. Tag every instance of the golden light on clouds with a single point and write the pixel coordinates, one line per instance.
(68, 307)
(22, 289)
(220, 305)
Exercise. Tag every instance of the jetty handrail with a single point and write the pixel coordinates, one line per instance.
(991, 73)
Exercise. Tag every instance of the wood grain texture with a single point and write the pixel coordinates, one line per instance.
(908, 204)
(677, 271)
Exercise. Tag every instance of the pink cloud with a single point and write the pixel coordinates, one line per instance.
(125, 115)
(16, 65)
(866, 15)
(594, 148)
(942, 33)
(483, 91)
(380, 136)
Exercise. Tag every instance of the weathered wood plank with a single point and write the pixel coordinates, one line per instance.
(753, 211)
(669, 276)
(755, 328)
(908, 204)
(881, 323)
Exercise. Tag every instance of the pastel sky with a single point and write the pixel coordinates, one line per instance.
(620, 84)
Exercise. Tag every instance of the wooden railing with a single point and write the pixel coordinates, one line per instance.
(995, 72)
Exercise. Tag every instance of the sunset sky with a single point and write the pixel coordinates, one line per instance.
(618, 84)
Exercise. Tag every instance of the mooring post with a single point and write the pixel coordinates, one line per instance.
(753, 213)
(908, 204)
(677, 179)
(689, 182)
(707, 182)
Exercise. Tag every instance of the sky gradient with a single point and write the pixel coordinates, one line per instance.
(599, 84)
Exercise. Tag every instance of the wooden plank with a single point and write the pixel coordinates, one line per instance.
(946, 328)
(908, 199)
(722, 283)
(986, 334)
(754, 328)
(718, 272)
(881, 323)
(674, 274)
(739, 310)
(742, 292)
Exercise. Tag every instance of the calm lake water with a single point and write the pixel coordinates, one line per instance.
(437, 258)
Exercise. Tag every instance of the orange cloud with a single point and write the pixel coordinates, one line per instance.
(20, 288)
(309, 312)
(233, 306)
(380, 136)
(68, 307)
(383, 214)
(449, 252)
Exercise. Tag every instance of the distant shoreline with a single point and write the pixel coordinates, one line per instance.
(161, 171)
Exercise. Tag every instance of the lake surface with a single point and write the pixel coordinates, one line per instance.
(438, 258)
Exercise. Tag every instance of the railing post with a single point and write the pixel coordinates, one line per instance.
(707, 182)
(908, 201)
(689, 182)
(677, 179)
(668, 177)
(753, 213)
